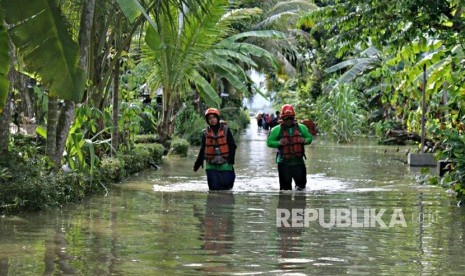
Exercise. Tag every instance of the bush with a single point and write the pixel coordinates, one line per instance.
(137, 159)
(30, 185)
(180, 147)
(146, 138)
(112, 170)
(156, 152)
(194, 134)
(36, 192)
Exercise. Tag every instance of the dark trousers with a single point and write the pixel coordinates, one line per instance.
(220, 180)
(287, 173)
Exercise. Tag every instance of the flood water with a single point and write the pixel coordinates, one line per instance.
(363, 213)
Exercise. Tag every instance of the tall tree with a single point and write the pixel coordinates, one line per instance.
(184, 54)
(280, 16)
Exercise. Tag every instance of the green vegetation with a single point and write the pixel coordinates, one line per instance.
(180, 147)
(340, 113)
(104, 72)
(28, 182)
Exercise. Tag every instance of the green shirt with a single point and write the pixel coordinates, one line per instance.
(220, 167)
(275, 135)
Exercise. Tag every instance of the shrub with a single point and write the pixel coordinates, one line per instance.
(156, 151)
(40, 191)
(180, 147)
(146, 138)
(28, 184)
(137, 159)
(112, 169)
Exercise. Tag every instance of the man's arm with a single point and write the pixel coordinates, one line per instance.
(273, 138)
(199, 162)
(232, 147)
(305, 134)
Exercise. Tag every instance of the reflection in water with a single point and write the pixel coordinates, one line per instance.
(217, 226)
(290, 238)
(3, 265)
(56, 256)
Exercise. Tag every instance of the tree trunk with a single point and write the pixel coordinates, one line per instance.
(115, 132)
(52, 118)
(67, 113)
(5, 117)
(164, 126)
(26, 105)
(165, 129)
(64, 123)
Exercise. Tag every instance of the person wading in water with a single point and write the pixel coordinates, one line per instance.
(218, 148)
(289, 138)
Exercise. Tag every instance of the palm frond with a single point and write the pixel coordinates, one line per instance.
(221, 62)
(223, 54)
(371, 52)
(236, 80)
(283, 10)
(236, 15)
(437, 66)
(207, 93)
(132, 9)
(255, 51)
(348, 63)
(177, 49)
(272, 20)
(295, 5)
(260, 33)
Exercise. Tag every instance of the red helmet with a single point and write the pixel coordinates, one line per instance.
(212, 111)
(287, 111)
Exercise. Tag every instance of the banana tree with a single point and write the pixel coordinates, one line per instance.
(44, 41)
(368, 59)
(45, 44)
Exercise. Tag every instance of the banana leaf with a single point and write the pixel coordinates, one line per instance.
(44, 41)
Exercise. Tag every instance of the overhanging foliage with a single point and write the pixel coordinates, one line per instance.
(44, 42)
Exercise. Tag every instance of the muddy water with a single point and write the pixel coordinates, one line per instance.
(363, 213)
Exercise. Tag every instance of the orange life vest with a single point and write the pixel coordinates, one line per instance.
(293, 149)
(216, 146)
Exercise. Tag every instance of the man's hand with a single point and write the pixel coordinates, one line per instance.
(197, 165)
(283, 142)
(301, 140)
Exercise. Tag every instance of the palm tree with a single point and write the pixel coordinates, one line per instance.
(197, 52)
(281, 16)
